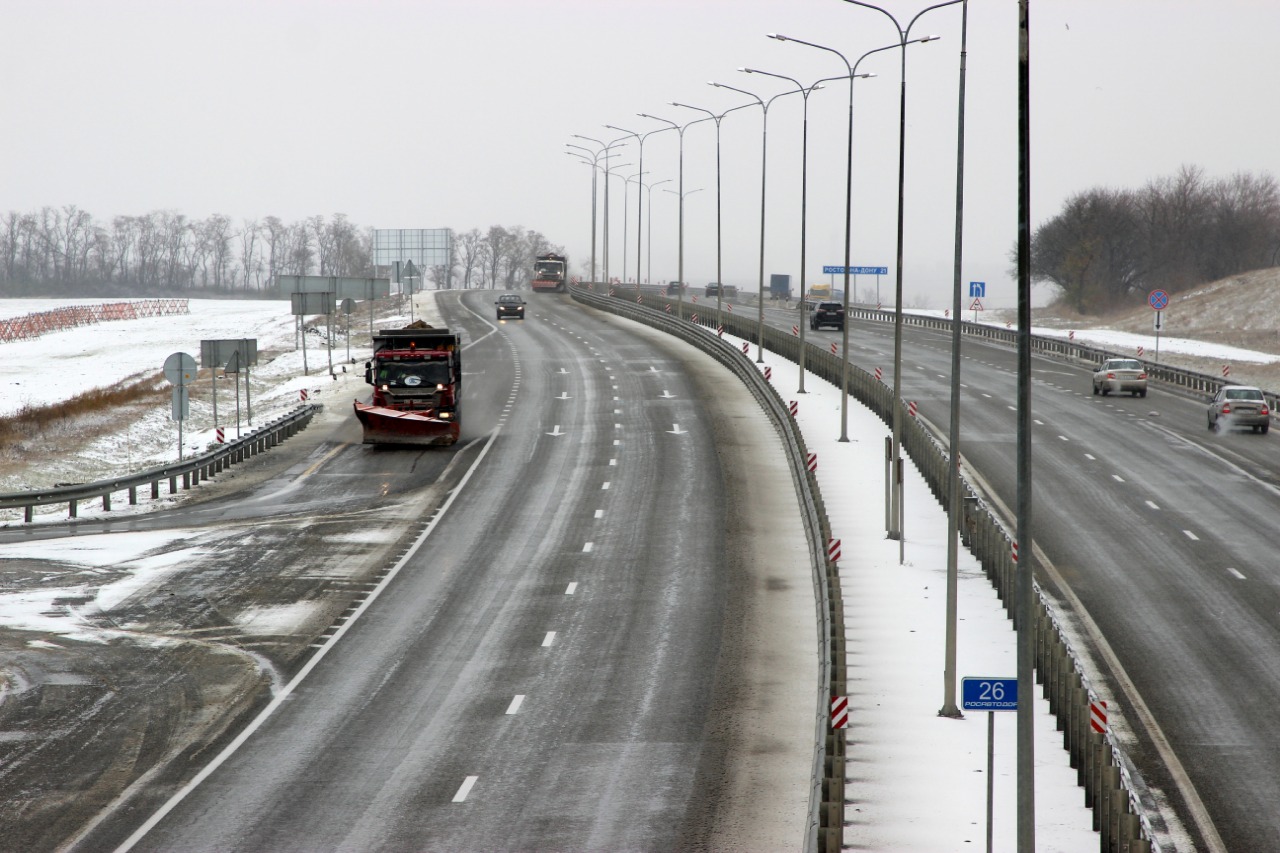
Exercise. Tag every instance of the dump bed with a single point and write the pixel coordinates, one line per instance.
(419, 339)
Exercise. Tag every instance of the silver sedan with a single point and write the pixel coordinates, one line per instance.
(1120, 375)
(1240, 406)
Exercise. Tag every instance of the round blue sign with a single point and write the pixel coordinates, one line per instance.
(1158, 300)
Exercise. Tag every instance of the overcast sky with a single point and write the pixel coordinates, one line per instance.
(455, 113)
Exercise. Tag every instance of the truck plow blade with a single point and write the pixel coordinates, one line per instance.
(391, 426)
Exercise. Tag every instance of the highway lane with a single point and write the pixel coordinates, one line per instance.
(543, 672)
(1161, 530)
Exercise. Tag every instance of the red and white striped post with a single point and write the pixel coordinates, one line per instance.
(746, 346)
(1226, 371)
(795, 330)
(768, 373)
(879, 375)
(811, 462)
(222, 435)
(1098, 716)
(911, 408)
(833, 550)
(794, 408)
(839, 712)
(1014, 551)
(833, 348)
(303, 395)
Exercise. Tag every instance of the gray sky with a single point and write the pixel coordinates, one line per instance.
(455, 113)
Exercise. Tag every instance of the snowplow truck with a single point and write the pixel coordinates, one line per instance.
(550, 272)
(416, 376)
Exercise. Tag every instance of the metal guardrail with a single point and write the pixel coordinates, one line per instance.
(191, 472)
(826, 801)
(1106, 773)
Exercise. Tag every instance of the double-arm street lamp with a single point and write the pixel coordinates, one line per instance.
(764, 168)
(648, 238)
(640, 138)
(626, 191)
(680, 129)
(804, 194)
(594, 162)
(717, 119)
(604, 146)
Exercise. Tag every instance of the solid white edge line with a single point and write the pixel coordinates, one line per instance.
(311, 664)
(467, 785)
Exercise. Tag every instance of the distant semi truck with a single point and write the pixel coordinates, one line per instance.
(780, 287)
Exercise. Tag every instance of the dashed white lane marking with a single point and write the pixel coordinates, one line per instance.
(516, 702)
(1191, 536)
(616, 442)
(1236, 573)
(606, 485)
(1063, 438)
(467, 785)
(1153, 504)
(571, 588)
(1091, 457)
(599, 513)
(1117, 478)
(613, 461)
(588, 547)
(549, 639)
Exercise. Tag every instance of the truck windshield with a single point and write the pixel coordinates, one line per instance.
(549, 269)
(416, 374)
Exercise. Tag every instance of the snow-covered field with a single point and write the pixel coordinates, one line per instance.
(918, 780)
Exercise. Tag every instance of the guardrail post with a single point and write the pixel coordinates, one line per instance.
(106, 502)
(133, 496)
(73, 510)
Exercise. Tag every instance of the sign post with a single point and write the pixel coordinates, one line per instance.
(1158, 300)
(991, 695)
(180, 369)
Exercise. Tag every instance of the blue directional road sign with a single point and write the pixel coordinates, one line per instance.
(978, 289)
(989, 694)
(856, 270)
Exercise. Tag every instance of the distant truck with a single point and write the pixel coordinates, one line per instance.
(780, 287)
(416, 375)
(550, 272)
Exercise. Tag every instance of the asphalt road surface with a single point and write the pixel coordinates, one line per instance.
(589, 625)
(1161, 540)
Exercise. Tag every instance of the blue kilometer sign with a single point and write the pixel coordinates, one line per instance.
(989, 694)
(830, 270)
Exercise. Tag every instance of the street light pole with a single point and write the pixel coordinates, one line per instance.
(717, 118)
(764, 166)
(594, 162)
(626, 190)
(804, 194)
(640, 138)
(604, 147)
(895, 475)
(680, 129)
(649, 234)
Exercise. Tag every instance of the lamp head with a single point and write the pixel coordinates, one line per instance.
(932, 37)
(745, 70)
(775, 36)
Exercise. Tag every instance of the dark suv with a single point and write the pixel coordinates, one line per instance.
(826, 314)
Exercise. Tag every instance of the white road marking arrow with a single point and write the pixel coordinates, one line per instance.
(557, 431)
(564, 395)
(667, 395)
(653, 369)
(675, 430)
(562, 370)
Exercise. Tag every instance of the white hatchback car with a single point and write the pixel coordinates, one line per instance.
(1120, 375)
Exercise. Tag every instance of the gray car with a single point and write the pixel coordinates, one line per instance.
(1120, 375)
(1239, 406)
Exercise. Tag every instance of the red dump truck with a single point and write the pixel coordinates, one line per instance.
(550, 272)
(416, 376)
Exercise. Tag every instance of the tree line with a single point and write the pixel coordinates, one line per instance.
(1107, 247)
(66, 252)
